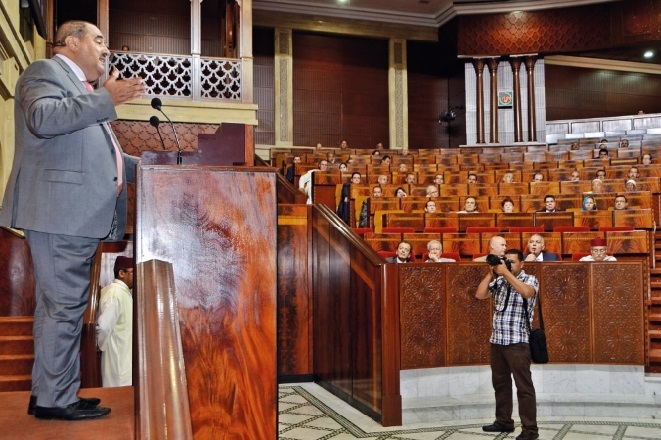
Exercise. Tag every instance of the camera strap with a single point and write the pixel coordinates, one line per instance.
(507, 298)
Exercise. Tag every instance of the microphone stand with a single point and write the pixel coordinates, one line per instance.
(156, 104)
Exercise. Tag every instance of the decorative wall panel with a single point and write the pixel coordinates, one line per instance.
(423, 316)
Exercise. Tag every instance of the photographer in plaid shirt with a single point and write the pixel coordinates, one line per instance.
(510, 352)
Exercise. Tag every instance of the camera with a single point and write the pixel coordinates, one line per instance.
(494, 260)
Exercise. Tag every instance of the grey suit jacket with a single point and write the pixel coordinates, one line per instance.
(64, 176)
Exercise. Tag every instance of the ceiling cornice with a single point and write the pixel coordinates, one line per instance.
(602, 64)
(447, 11)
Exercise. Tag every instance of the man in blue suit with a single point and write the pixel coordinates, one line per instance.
(67, 191)
(536, 250)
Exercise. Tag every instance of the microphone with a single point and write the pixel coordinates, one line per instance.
(154, 123)
(156, 104)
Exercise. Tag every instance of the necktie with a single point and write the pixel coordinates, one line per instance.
(118, 151)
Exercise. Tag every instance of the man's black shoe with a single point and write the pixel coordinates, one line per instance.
(496, 427)
(527, 435)
(76, 411)
(94, 401)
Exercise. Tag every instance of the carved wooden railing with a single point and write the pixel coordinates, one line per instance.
(17, 282)
(159, 376)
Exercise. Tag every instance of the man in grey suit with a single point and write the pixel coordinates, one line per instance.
(67, 191)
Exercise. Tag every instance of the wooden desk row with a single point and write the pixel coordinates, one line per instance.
(635, 218)
(469, 244)
(524, 203)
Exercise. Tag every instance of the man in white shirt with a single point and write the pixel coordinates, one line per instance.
(598, 251)
(536, 252)
(305, 182)
(114, 328)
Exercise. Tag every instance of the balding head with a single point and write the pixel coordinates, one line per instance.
(498, 246)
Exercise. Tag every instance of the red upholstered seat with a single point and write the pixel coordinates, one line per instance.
(397, 230)
(571, 229)
(441, 230)
(616, 228)
(481, 229)
(527, 229)
(361, 231)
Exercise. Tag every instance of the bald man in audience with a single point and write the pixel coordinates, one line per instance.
(432, 191)
(435, 250)
(536, 246)
(497, 247)
(382, 179)
(598, 251)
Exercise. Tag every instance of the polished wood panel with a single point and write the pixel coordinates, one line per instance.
(160, 411)
(294, 292)
(16, 275)
(223, 253)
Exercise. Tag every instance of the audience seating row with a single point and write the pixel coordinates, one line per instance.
(471, 244)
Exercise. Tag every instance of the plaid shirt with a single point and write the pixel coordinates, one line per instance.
(509, 325)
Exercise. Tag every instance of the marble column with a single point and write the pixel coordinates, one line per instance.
(478, 64)
(492, 64)
(530, 72)
(284, 98)
(518, 125)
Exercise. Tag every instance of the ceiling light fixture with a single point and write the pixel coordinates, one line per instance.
(648, 54)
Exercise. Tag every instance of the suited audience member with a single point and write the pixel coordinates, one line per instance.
(377, 192)
(289, 175)
(603, 153)
(575, 176)
(431, 191)
(400, 192)
(114, 328)
(67, 191)
(621, 203)
(633, 173)
(403, 254)
(472, 178)
(538, 177)
(497, 247)
(430, 207)
(410, 179)
(434, 252)
(600, 175)
(536, 252)
(343, 206)
(438, 179)
(598, 251)
(382, 179)
(549, 204)
(508, 178)
(470, 206)
(647, 159)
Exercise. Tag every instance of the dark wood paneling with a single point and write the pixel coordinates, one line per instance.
(435, 86)
(294, 296)
(340, 87)
(143, 28)
(223, 253)
(575, 93)
(17, 282)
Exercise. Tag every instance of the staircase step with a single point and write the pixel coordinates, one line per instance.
(655, 284)
(22, 382)
(16, 326)
(16, 364)
(654, 317)
(654, 334)
(25, 344)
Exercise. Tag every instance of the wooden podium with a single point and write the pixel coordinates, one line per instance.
(217, 226)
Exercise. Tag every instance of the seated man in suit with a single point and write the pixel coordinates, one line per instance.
(549, 204)
(621, 203)
(434, 250)
(536, 250)
(598, 251)
(403, 253)
(290, 170)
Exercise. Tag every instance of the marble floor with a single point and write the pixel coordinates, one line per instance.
(307, 411)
